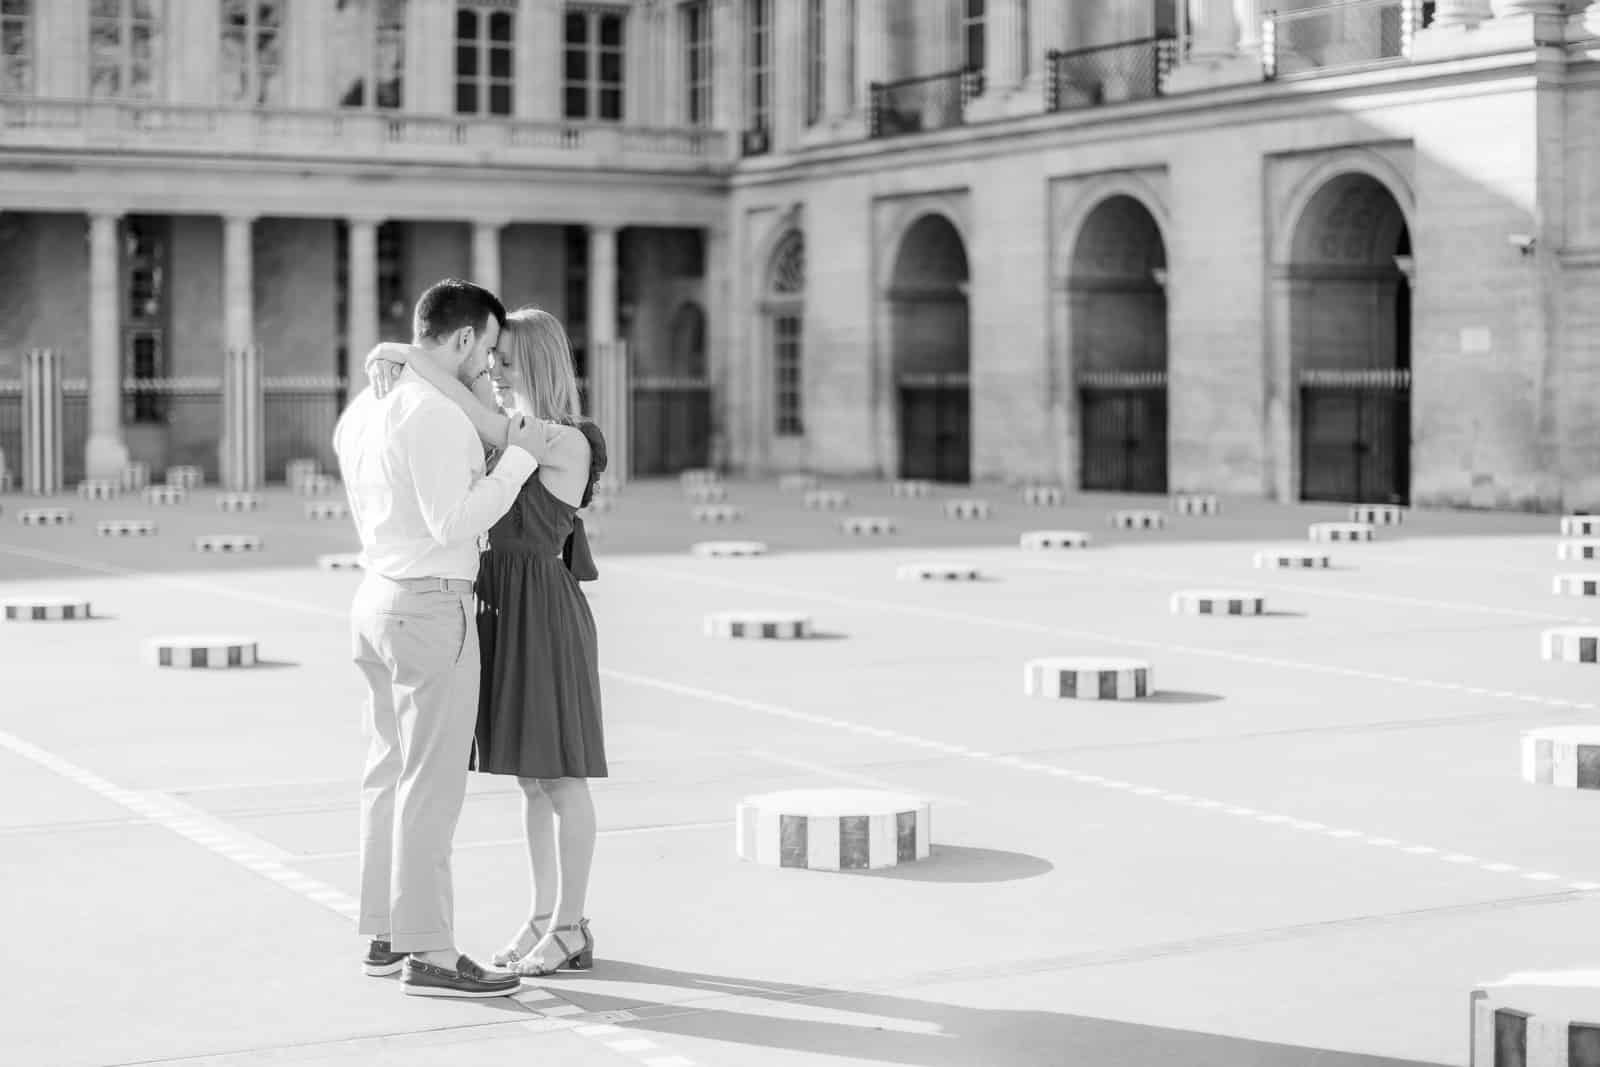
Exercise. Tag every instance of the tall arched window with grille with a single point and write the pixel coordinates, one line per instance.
(785, 309)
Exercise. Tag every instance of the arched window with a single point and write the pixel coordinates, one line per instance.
(785, 305)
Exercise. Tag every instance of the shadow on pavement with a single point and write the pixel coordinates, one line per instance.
(928, 1033)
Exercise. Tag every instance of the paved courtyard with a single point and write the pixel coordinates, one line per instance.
(1302, 851)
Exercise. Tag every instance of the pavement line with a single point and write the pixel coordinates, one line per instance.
(974, 619)
(1293, 823)
(506, 842)
(1312, 590)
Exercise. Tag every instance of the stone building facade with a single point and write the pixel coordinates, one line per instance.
(1330, 251)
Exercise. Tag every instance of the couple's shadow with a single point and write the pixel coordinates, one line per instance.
(880, 1028)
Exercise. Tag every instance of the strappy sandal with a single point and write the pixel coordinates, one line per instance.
(574, 959)
(507, 956)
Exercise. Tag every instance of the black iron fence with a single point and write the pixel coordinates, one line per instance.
(1341, 36)
(1109, 74)
(173, 421)
(1355, 435)
(928, 102)
(1123, 430)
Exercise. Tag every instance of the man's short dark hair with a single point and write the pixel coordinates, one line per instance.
(451, 304)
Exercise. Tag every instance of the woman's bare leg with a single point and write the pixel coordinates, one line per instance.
(574, 856)
(538, 823)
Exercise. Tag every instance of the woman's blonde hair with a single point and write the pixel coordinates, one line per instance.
(537, 344)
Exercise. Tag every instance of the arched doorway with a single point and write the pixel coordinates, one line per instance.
(672, 408)
(1350, 342)
(1117, 297)
(928, 338)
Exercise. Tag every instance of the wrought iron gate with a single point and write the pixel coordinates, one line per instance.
(1355, 435)
(936, 427)
(1122, 417)
(670, 425)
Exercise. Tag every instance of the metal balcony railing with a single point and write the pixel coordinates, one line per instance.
(121, 125)
(1109, 74)
(927, 102)
(1340, 36)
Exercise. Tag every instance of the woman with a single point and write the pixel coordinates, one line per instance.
(539, 702)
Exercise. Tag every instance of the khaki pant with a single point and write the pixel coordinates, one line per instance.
(419, 653)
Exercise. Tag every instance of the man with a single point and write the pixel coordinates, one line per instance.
(413, 470)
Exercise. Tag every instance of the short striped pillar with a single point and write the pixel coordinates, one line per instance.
(868, 525)
(1292, 558)
(1340, 531)
(911, 487)
(759, 625)
(340, 561)
(201, 652)
(1537, 1019)
(728, 549)
(46, 609)
(969, 509)
(1576, 584)
(938, 571)
(834, 829)
(1583, 549)
(705, 494)
(1195, 504)
(298, 470)
(185, 476)
(327, 509)
(44, 516)
(43, 471)
(718, 513)
(796, 482)
(243, 436)
(1046, 540)
(135, 476)
(1042, 496)
(1580, 525)
(1562, 755)
(1138, 519)
(166, 495)
(1378, 514)
(1086, 678)
(228, 543)
(1570, 644)
(825, 499)
(698, 476)
(125, 528)
(1217, 602)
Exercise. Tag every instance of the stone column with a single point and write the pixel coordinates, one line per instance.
(238, 282)
(1211, 30)
(1006, 50)
(873, 43)
(539, 59)
(105, 453)
(726, 68)
(361, 331)
(1460, 13)
(486, 254)
(602, 284)
(718, 370)
(1505, 9)
(1049, 30)
(1248, 15)
(838, 41)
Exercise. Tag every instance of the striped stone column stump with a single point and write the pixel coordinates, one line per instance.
(317, 485)
(1138, 519)
(125, 528)
(1576, 585)
(44, 516)
(867, 525)
(1292, 559)
(100, 489)
(1570, 644)
(1340, 531)
(797, 482)
(1567, 756)
(833, 829)
(1052, 540)
(718, 513)
(825, 500)
(207, 652)
(327, 509)
(1199, 504)
(1217, 602)
(1537, 1019)
(135, 476)
(228, 543)
(911, 487)
(1578, 550)
(1042, 496)
(185, 477)
(1378, 514)
(237, 502)
(166, 496)
(340, 561)
(46, 609)
(705, 494)
(1086, 678)
(938, 571)
(728, 549)
(698, 476)
(1580, 525)
(967, 510)
(6, 483)
(759, 625)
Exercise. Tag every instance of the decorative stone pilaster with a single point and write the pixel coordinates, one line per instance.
(486, 254)
(238, 282)
(105, 453)
(361, 331)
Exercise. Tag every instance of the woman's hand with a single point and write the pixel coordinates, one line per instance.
(384, 364)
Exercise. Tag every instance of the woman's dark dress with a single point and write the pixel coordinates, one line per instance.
(539, 699)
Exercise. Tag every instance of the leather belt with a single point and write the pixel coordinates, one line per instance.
(430, 585)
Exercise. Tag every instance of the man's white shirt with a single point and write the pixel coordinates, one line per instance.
(413, 472)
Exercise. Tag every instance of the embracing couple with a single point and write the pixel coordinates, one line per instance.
(465, 464)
